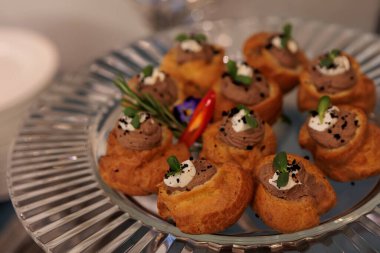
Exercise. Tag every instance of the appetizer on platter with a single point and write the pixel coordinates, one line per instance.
(195, 62)
(158, 84)
(291, 193)
(202, 197)
(240, 137)
(136, 154)
(242, 84)
(337, 75)
(344, 144)
(277, 55)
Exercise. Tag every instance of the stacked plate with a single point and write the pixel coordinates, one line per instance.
(27, 62)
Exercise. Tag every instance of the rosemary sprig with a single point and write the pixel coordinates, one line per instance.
(147, 103)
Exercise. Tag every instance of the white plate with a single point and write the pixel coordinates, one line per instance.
(27, 62)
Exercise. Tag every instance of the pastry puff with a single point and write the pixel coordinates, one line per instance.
(137, 173)
(258, 56)
(268, 110)
(362, 94)
(210, 207)
(289, 216)
(133, 82)
(356, 160)
(196, 75)
(219, 152)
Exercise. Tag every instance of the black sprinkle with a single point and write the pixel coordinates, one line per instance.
(306, 157)
(257, 216)
(256, 71)
(225, 74)
(322, 88)
(209, 166)
(203, 170)
(246, 89)
(191, 158)
(313, 113)
(259, 79)
(221, 129)
(116, 170)
(224, 113)
(119, 126)
(269, 46)
(177, 180)
(344, 124)
(262, 94)
(314, 68)
(356, 123)
(249, 147)
(342, 141)
(262, 148)
(233, 112)
(329, 131)
(337, 136)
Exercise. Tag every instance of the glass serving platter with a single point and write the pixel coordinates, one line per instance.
(65, 206)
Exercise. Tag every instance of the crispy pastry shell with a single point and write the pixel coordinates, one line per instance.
(289, 216)
(210, 207)
(257, 56)
(137, 173)
(197, 75)
(362, 94)
(219, 152)
(357, 159)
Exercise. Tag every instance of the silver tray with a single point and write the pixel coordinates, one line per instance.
(64, 205)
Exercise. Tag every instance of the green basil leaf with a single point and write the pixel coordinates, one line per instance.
(334, 53)
(147, 71)
(174, 164)
(136, 121)
(199, 37)
(326, 62)
(287, 30)
(181, 37)
(251, 121)
(130, 112)
(231, 68)
(242, 107)
(246, 80)
(282, 179)
(280, 162)
(323, 104)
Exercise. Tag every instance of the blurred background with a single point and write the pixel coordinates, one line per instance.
(75, 32)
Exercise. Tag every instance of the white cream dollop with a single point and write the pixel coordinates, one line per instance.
(291, 45)
(191, 45)
(182, 178)
(157, 75)
(291, 183)
(244, 70)
(125, 122)
(328, 121)
(342, 65)
(238, 124)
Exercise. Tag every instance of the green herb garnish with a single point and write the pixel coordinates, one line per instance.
(136, 121)
(147, 71)
(146, 103)
(286, 35)
(199, 37)
(323, 104)
(134, 114)
(174, 166)
(328, 60)
(280, 164)
(248, 117)
(130, 112)
(232, 71)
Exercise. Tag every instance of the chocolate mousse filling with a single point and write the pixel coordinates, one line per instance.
(283, 55)
(251, 94)
(204, 172)
(164, 91)
(147, 136)
(308, 185)
(331, 84)
(247, 139)
(206, 54)
(340, 133)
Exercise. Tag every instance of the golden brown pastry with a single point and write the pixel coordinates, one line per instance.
(204, 198)
(242, 84)
(234, 140)
(195, 63)
(344, 144)
(159, 85)
(136, 156)
(338, 75)
(277, 56)
(291, 193)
